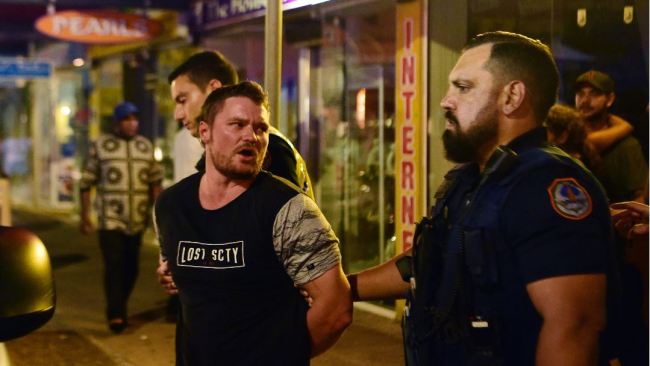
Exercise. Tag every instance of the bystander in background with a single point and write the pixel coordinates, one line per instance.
(121, 165)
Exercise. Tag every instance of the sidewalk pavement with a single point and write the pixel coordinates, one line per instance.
(78, 334)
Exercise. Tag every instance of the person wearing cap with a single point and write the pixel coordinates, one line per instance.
(623, 170)
(121, 165)
(623, 173)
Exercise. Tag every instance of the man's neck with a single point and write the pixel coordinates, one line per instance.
(598, 122)
(216, 190)
(122, 136)
(506, 133)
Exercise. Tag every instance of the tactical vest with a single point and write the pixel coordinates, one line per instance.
(453, 308)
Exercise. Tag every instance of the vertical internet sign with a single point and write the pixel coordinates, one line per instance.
(411, 119)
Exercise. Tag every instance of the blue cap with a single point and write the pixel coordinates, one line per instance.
(123, 110)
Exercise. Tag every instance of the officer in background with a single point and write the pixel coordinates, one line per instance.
(512, 267)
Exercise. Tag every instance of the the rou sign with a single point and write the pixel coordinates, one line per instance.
(98, 27)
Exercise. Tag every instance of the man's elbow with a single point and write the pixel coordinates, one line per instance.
(343, 318)
(326, 332)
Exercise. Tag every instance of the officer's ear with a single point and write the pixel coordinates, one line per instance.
(513, 96)
(213, 85)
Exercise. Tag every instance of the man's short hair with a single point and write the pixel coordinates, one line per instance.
(204, 66)
(214, 102)
(517, 57)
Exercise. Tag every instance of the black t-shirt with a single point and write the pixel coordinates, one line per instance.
(239, 305)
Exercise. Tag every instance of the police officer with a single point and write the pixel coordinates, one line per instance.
(512, 266)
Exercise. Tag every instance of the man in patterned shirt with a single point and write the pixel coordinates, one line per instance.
(121, 166)
(238, 240)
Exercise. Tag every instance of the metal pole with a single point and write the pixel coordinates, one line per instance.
(273, 57)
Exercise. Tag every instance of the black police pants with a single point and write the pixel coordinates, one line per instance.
(120, 253)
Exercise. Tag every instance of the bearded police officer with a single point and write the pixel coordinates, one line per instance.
(511, 268)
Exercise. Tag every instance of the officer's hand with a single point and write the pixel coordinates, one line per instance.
(165, 278)
(86, 226)
(305, 294)
(630, 219)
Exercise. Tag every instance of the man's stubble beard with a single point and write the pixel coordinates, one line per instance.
(224, 165)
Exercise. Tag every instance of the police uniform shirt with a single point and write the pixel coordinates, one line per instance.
(122, 169)
(236, 267)
(554, 221)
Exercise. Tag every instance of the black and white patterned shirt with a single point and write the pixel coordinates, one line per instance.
(122, 170)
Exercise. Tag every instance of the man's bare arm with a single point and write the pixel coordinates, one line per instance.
(85, 224)
(380, 282)
(573, 312)
(331, 310)
(603, 139)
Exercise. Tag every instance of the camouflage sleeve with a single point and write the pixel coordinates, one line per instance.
(304, 241)
(90, 170)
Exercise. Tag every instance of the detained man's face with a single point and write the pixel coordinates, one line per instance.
(470, 106)
(236, 142)
(188, 99)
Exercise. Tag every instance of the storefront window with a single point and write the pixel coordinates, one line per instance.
(337, 105)
(355, 177)
(15, 132)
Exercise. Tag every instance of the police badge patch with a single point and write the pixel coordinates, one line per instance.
(570, 199)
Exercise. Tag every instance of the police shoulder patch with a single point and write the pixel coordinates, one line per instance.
(569, 199)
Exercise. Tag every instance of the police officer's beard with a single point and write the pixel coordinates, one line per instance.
(463, 146)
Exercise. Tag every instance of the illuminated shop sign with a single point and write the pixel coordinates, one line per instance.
(228, 10)
(410, 118)
(98, 27)
(24, 69)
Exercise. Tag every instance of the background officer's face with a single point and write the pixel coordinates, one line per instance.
(188, 99)
(470, 106)
(236, 142)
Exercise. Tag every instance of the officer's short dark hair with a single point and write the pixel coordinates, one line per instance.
(214, 102)
(515, 56)
(204, 66)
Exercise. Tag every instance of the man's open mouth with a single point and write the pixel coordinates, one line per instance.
(247, 152)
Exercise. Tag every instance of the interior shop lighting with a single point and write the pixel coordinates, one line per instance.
(66, 110)
(158, 153)
(78, 62)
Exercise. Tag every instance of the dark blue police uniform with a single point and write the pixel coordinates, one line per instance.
(534, 213)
